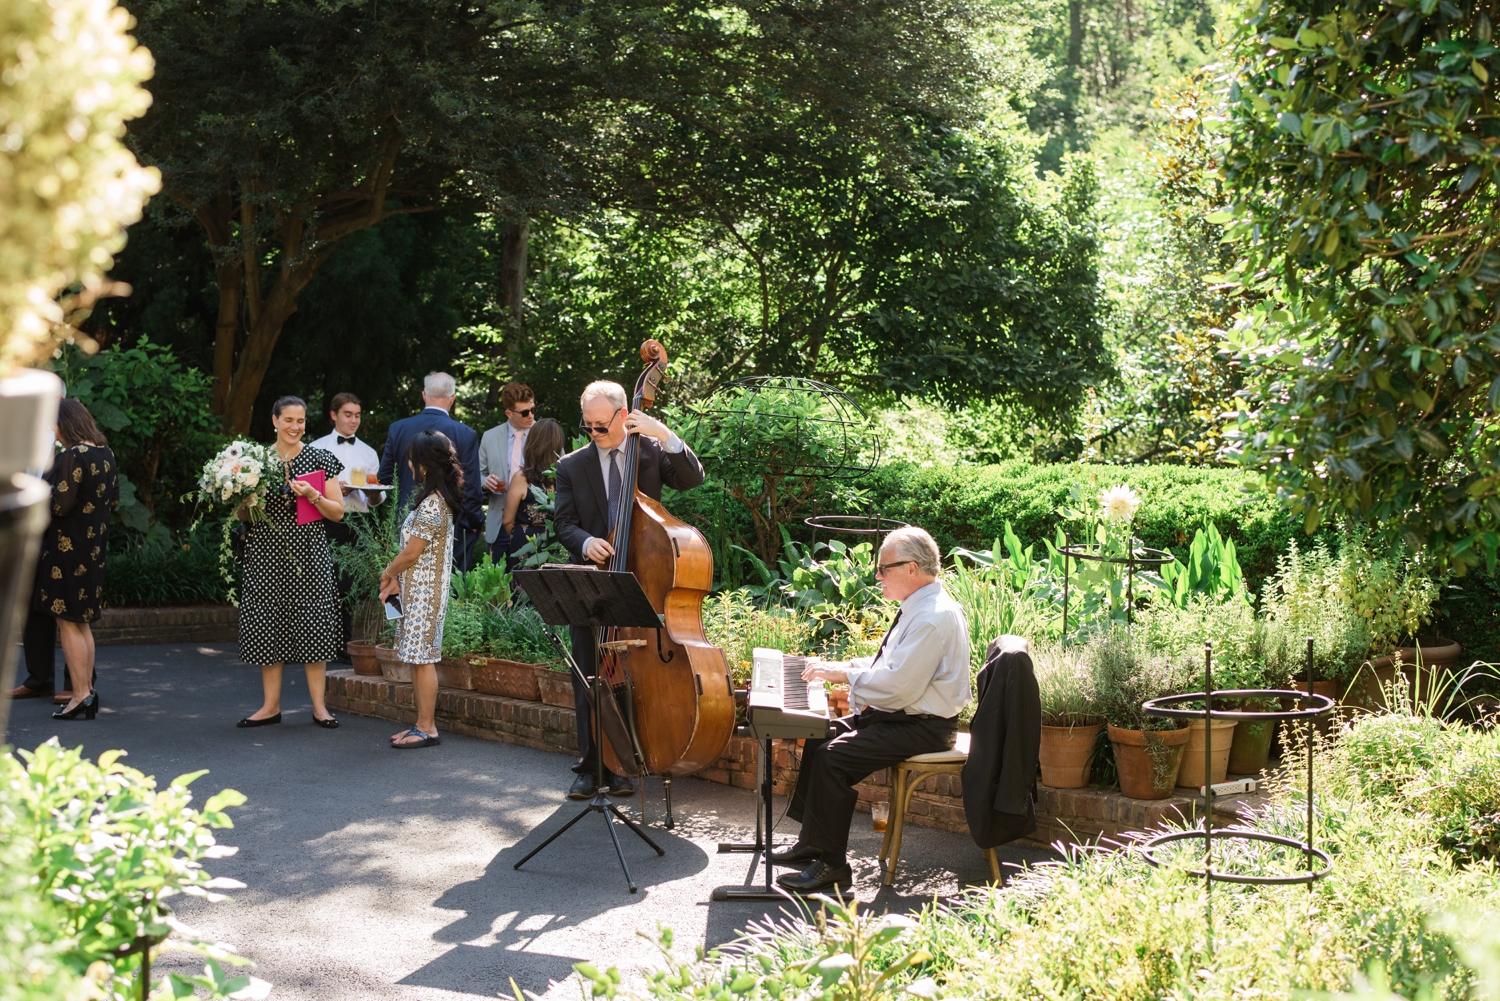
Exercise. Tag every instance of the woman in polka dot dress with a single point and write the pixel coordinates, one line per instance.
(70, 570)
(288, 605)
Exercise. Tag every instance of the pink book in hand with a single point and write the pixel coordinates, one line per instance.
(307, 511)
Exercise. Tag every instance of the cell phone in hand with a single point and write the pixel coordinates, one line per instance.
(393, 607)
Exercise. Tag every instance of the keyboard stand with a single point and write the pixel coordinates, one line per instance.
(763, 844)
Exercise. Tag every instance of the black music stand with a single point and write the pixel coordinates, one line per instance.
(583, 596)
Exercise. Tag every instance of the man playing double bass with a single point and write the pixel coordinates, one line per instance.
(590, 483)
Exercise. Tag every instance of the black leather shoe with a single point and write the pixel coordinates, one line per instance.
(583, 787)
(331, 723)
(798, 854)
(619, 785)
(268, 721)
(818, 877)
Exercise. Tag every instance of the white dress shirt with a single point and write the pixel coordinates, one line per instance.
(354, 455)
(924, 665)
(673, 444)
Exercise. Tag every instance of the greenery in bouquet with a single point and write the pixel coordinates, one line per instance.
(244, 474)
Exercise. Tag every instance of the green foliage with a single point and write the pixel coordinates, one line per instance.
(1127, 671)
(107, 849)
(70, 187)
(175, 570)
(544, 547)
(1066, 685)
(1212, 569)
(1108, 925)
(487, 585)
(839, 592)
(376, 541)
(1365, 200)
(737, 623)
(155, 411)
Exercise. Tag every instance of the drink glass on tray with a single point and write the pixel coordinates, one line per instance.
(356, 477)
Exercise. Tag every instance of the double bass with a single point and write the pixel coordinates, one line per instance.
(671, 683)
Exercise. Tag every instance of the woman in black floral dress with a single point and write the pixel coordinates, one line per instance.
(288, 605)
(70, 574)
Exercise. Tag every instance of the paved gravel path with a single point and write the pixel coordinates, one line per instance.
(374, 873)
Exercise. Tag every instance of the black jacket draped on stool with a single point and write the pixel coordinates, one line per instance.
(1005, 738)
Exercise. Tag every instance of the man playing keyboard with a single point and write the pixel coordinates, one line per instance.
(905, 700)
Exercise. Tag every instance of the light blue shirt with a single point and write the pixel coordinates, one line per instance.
(924, 665)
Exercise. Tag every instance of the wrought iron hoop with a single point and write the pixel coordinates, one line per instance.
(1159, 557)
(835, 523)
(1154, 558)
(1322, 705)
(1307, 875)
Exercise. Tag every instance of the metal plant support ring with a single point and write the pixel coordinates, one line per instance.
(1142, 556)
(1169, 707)
(852, 524)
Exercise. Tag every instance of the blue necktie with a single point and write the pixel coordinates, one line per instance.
(612, 485)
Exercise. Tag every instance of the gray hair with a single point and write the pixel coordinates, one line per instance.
(439, 386)
(913, 543)
(611, 391)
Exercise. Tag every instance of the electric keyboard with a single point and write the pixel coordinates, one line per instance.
(781, 705)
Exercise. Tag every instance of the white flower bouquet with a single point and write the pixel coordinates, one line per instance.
(244, 473)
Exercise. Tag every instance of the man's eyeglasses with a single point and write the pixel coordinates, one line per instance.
(597, 429)
(524, 413)
(882, 568)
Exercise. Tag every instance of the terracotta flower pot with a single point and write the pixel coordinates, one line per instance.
(1137, 768)
(556, 686)
(1067, 755)
(362, 656)
(1435, 652)
(1191, 772)
(393, 668)
(507, 678)
(455, 672)
(838, 700)
(1250, 751)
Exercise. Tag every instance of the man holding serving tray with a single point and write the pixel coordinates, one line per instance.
(361, 462)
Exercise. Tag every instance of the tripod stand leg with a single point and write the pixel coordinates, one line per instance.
(585, 812)
(666, 784)
(639, 833)
(620, 852)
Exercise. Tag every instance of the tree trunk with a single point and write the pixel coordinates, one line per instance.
(227, 277)
(1075, 34)
(261, 338)
(515, 242)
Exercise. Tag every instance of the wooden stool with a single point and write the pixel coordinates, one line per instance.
(905, 777)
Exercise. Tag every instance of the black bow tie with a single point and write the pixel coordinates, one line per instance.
(345, 441)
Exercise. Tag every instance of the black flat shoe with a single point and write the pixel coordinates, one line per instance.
(818, 877)
(798, 854)
(331, 723)
(88, 709)
(268, 721)
(583, 787)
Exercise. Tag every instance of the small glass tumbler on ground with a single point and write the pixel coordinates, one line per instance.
(880, 815)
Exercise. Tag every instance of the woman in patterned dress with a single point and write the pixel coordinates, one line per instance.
(420, 575)
(288, 606)
(522, 519)
(70, 571)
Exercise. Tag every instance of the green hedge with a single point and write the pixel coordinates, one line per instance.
(969, 506)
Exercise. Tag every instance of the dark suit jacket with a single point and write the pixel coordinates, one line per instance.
(1005, 741)
(465, 440)
(582, 504)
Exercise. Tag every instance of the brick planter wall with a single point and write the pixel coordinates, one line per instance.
(1072, 816)
(187, 624)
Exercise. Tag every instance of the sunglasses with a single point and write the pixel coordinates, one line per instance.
(882, 568)
(598, 429)
(523, 413)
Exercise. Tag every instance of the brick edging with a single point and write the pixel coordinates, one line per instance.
(180, 624)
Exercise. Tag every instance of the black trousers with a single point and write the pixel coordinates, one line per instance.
(864, 744)
(39, 643)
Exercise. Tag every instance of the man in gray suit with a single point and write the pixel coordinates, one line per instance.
(499, 457)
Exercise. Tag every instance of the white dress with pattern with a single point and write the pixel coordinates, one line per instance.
(424, 586)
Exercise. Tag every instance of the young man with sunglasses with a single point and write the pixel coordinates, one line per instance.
(905, 701)
(499, 457)
(590, 484)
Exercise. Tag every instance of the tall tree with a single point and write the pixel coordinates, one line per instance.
(284, 127)
(1366, 188)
